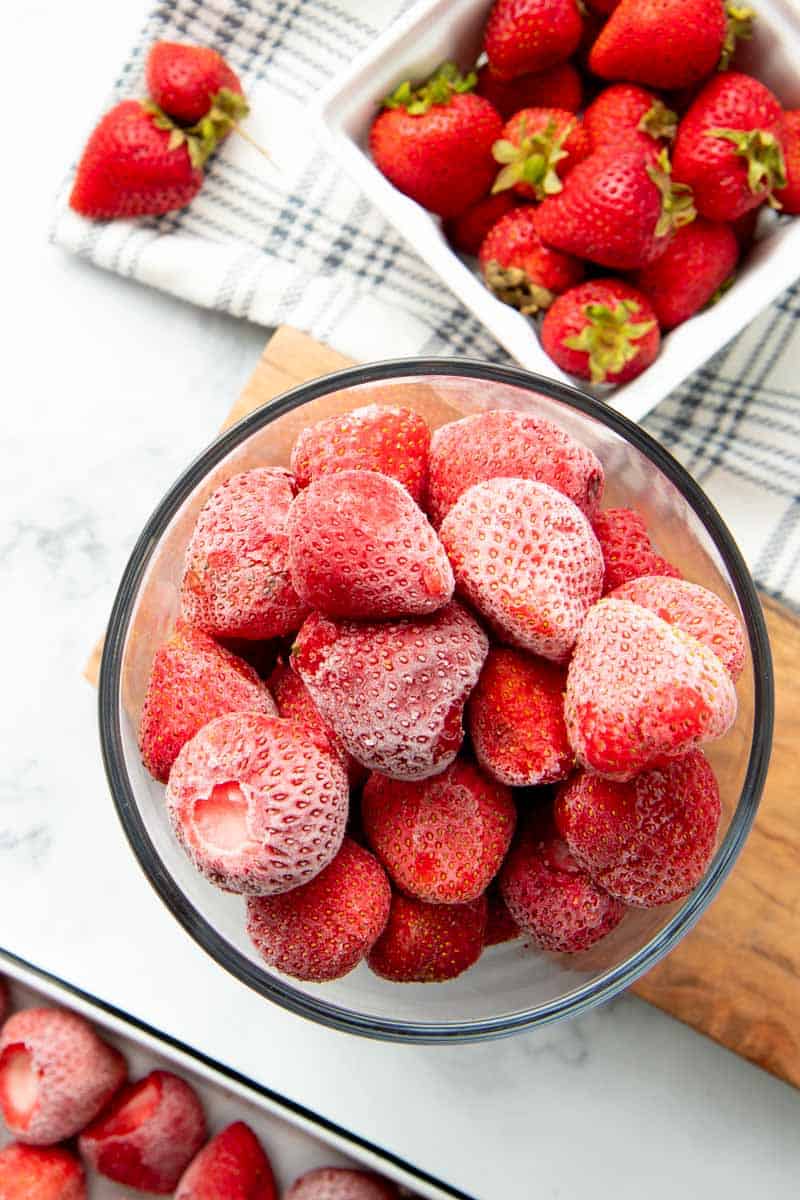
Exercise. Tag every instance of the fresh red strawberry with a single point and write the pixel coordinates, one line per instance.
(131, 166)
(441, 839)
(695, 265)
(467, 231)
(434, 142)
(500, 925)
(360, 547)
(524, 36)
(186, 81)
(624, 113)
(192, 681)
(628, 552)
(649, 841)
(617, 208)
(236, 580)
(258, 803)
(520, 269)
(148, 1136)
(32, 1173)
(394, 691)
(559, 87)
(429, 943)
(341, 1183)
(696, 611)
(604, 330)
(377, 437)
(322, 929)
(515, 718)
(293, 700)
(511, 444)
(640, 690)
(233, 1166)
(526, 557)
(729, 147)
(661, 43)
(549, 894)
(55, 1074)
(538, 149)
(789, 196)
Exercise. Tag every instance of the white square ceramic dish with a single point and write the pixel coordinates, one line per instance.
(434, 30)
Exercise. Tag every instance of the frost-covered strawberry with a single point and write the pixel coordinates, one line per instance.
(258, 803)
(394, 691)
(233, 1166)
(293, 700)
(377, 437)
(360, 547)
(35, 1173)
(509, 444)
(322, 929)
(429, 943)
(627, 550)
(515, 718)
(526, 557)
(56, 1074)
(341, 1183)
(236, 581)
(647, 841)
(640, 690)
(441, 839)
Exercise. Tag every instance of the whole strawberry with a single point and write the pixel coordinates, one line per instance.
(661, 43)
(538, 149)
(789, 197)
(467, 231)
(604, 330)
(525, 36)
(618, 208)
(429, 943)
(232, 1165)
(625, 112)
(187, 82)
(520, 269)
(558, 87)
(692, 269)
(729, 147)
(627, 550)
(434, 143)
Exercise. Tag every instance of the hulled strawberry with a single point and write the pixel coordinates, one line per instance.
(537, 150)
(520, 269)
(434, 142)
(188, 82)
(625, 112)
(789, 196)
(627, 549)
(467, 231)
(729, 147)
(558, 87)
(698, 261)
(661, 43)
(604, 330)
(524, 36)
(429, 943)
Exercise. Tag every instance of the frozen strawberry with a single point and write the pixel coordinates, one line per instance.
(510, 444)
(515, 718)
(558, 86)
(192, 681)
(233, 1166)
(525, 556)
(625, 112)
(628, 552)
(294, 702)
(696, 611)
(520, 269)
(236, 580)
(258, 803)
(394, 691)
(148, 1136)
(789, 196)
(690, 273)
(500, 925)
(661, 43)
(467, 231)
(648, 841)
(322, 929)
(604, 330)
(188, 82)
(640, 690)
(429, 943)
(341, 1183)
(551, 897)
(360, 547)
(522, 36)
(537, 150)
(32, 1173)
(55, 1074)
(441, 839)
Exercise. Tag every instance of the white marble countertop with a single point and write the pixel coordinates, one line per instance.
(109, 390)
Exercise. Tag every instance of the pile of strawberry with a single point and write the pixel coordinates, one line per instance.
(392, 587)
(552, 201)
(66, 1098)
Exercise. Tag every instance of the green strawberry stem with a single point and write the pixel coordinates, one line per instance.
(514, 286)
(201, 139)
(739, 29)
(439, 88)
(659, 121)
(766, 169)
(677, 199)
(609, 337)
(532, 160)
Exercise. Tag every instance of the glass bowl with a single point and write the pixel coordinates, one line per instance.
(512, 987)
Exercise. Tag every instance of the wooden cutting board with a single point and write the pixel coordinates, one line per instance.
(736, 976)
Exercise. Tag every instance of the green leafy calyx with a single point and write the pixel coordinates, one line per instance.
(609, 337)
(739, 28)
(766, 169)
(445, 82)
(677, 199)
(659, 121)
(201, 140)
(532, 159)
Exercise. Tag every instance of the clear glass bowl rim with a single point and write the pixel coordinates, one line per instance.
(570, 1003)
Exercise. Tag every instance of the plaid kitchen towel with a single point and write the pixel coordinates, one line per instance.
(301, 246)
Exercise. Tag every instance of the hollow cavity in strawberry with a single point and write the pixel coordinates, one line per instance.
(766, 169)
(677, 199)
(201, 139)
(532, 160)
(660, 122)
(609, 337)
(445, 82)
(739, 29)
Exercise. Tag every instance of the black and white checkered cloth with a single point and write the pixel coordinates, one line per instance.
(301, 246)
